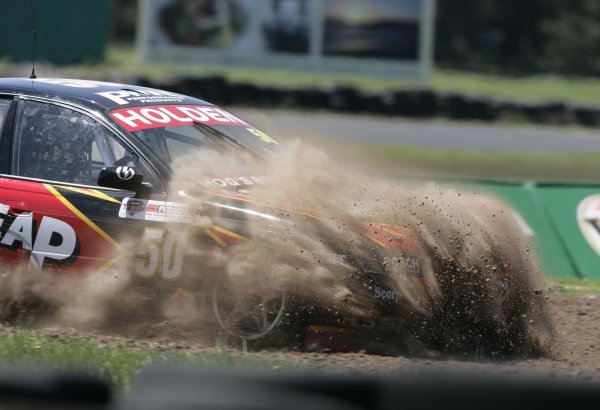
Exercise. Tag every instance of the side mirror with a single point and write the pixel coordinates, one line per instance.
(126, 178)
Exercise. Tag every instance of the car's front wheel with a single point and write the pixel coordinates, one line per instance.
(249, 316)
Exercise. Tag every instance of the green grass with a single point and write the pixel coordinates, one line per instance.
(398, 161)
(575, 286)
(117, 365)
(526, 88)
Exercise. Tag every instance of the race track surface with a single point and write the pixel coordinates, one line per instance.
(575, 352)
(438, 134)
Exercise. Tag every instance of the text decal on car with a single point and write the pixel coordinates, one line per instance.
(152, 210)
(54, 239)
(157, 116)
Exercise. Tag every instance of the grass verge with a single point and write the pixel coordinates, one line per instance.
(398, 161)
(115, 364)
(575, 286)
(535, 88)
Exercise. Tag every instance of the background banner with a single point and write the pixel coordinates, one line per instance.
(564, 218)
(379, 37)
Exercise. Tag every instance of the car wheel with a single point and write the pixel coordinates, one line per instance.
(248, 316)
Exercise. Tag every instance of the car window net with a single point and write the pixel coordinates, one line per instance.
(59, 144)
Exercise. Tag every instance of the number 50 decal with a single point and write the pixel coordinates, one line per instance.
(161, 254)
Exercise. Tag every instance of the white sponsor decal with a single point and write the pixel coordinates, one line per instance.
(386, 294)
(54, 240)
(588, 219)
(232, 181)
(402, 264)
(125, 173)
(161, 253)
(158, 116)
(151, 210)
(329, 257)
(141, 96)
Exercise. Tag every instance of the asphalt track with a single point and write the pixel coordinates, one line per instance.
(425, 133)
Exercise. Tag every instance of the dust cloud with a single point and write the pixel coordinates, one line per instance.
(479, 284)
(324, 246)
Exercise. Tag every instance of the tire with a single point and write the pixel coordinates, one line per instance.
(250, 318)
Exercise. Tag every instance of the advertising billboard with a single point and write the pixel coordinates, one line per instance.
(379, 37)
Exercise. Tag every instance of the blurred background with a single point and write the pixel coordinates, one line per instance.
(511, 37)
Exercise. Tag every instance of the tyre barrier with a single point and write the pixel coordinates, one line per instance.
(420, 103)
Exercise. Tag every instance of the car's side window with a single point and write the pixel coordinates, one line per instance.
(3, 110)
(59, 144)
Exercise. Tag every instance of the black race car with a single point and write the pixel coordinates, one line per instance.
(86, 166)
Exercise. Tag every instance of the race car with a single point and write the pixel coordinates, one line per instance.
(89, 167)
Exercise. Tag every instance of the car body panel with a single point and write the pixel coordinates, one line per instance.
(60, 211)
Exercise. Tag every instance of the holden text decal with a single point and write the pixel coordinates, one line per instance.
(156, 116)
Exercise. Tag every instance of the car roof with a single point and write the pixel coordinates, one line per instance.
(93, 94)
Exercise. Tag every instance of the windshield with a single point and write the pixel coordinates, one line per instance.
(171, 131)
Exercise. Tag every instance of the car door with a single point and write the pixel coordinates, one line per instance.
(53, 213)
